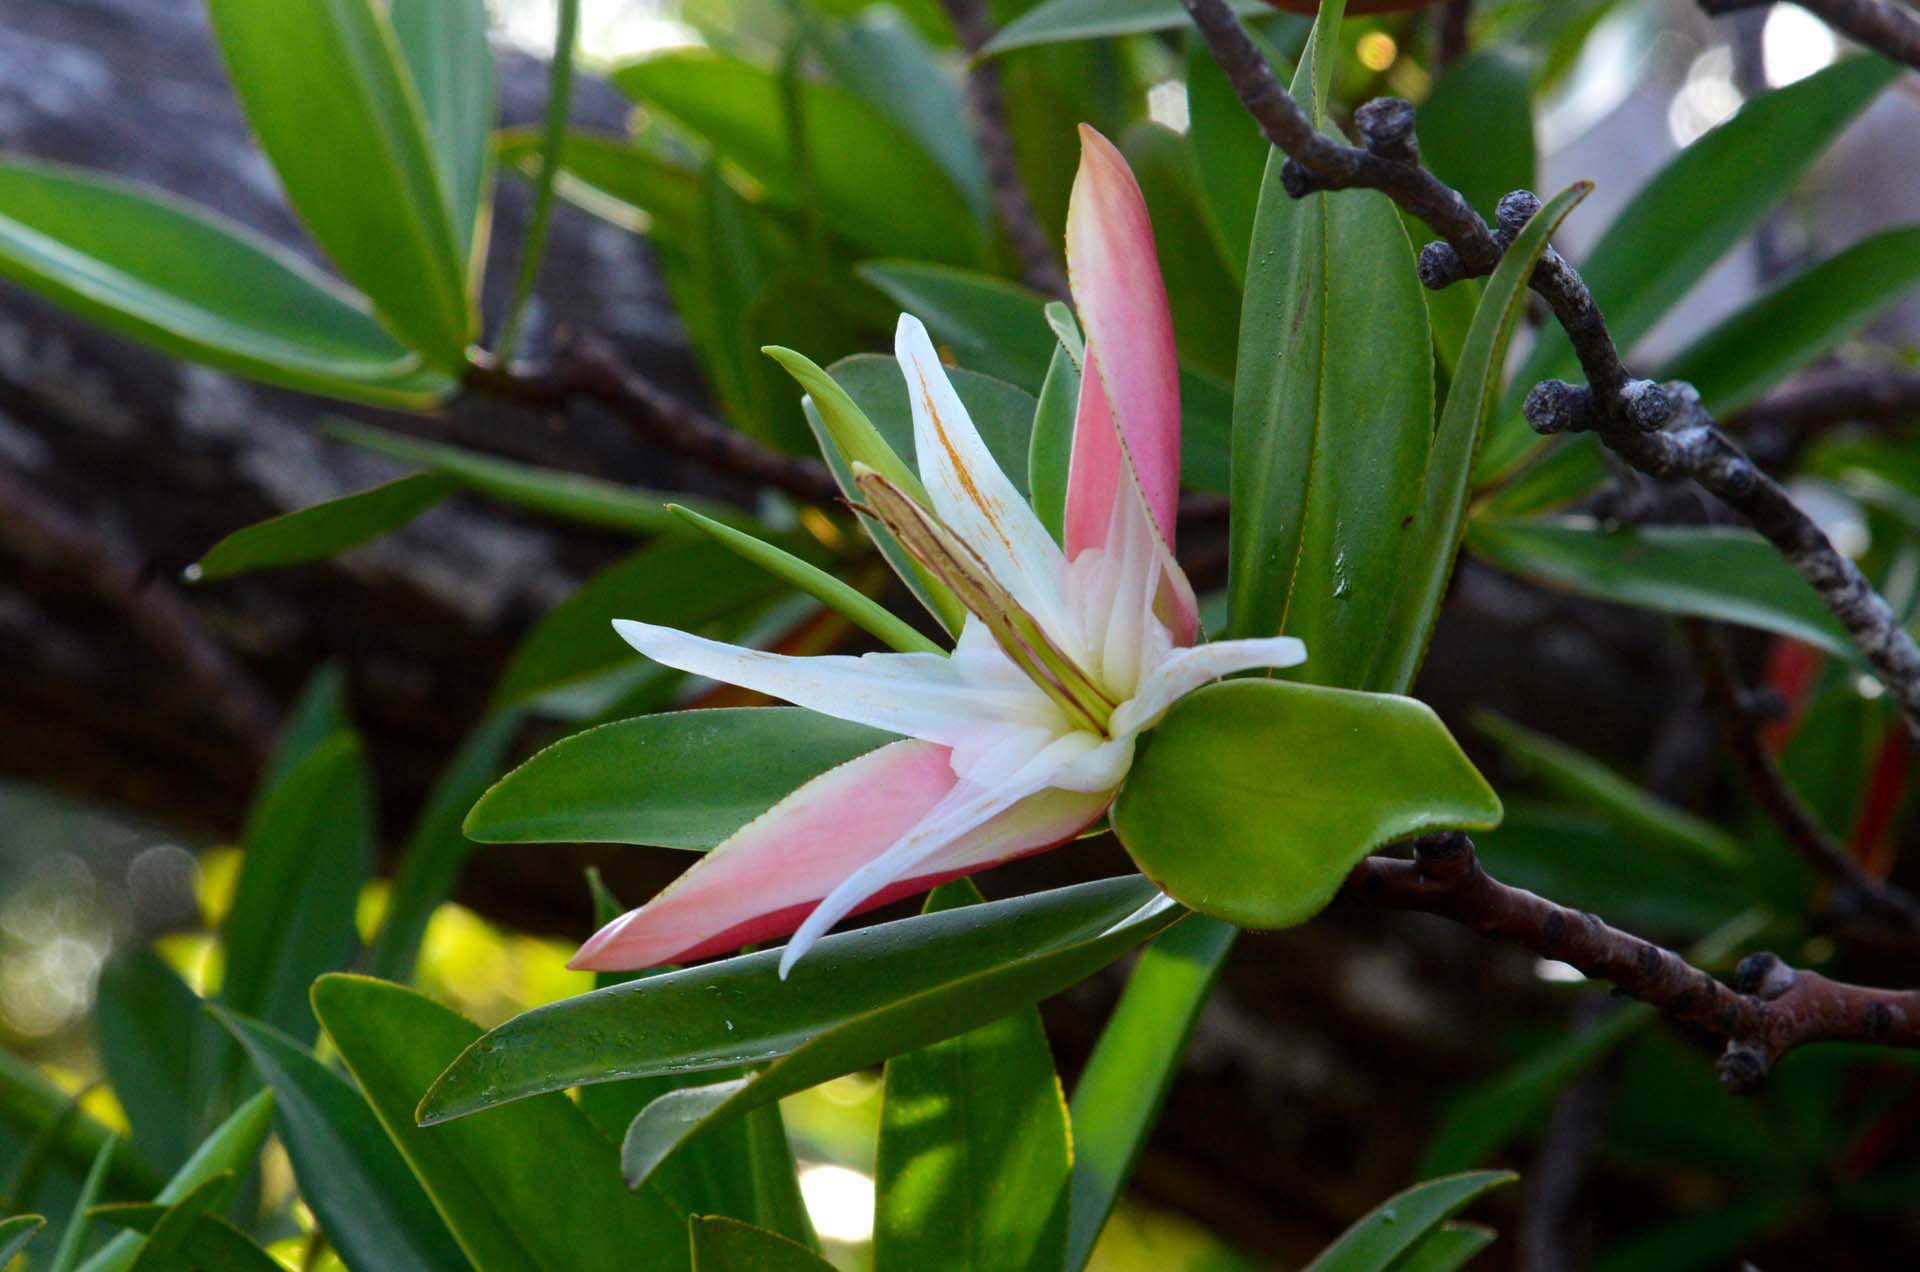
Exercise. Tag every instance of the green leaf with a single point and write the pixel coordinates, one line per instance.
(66, 1256)
(882, 59)
(531, 1187)
(857, 998)
(317, 714)
(568, 496)
(193, 1238)
(1396, 1225)
(685, 583)
(624, 183)
(1485, 1119)
(843, 599)
(309, 848)
(1476, 128)
(146, 1018)
(1060, 21)
(372, 1209)
(989, 325)
(444, 44)
(366, 184)
(1202, 295)
(1050, 449)
(971, 1169)
(229, 1149)
(864, 169)
(1772, 337)
(727, 1245)
(437, 848)
(1228, 147)
(37, 1110)
(1333, 418)
(323, 530)
(1446, 1248)
(1687, 217)
(1125, 1082)
(17, 1233)
(1433, 541)
(553, 139)
(195, 285)
(1731, 576)
(655, 779)
(1644, 820)
(1252, 799)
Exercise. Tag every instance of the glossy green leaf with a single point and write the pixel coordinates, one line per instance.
(971, 1169)
(437, 847)
(1202, 295)
(658, 779)
(1446, 1248)
(17, 1233)
(193, 1237)
(1061, 21)
(568, 496)
(231, 1148)
(1476, 128)
(322, 530)
(881, 59)
(1433, 540)
(1050, 449)
(1395, 1226)
(685, 583)
(1731, 576)
(1125, 1082)
(987, 324)
(195, 285)
(146, 1020)
(1687, 217)
(1646, 821)
(1229, 149)
(721, 1244)
(372, 1209)
(1806, 316)
(1252, 799)
(842, 598)
(66, 1256)
(366, 185)
(531, 1187)
(553, 140)
(1485, 1119)
(1333, 419)
(625, 183)
(857, 998)
(309, 848)
(864, 168)
(444, 45)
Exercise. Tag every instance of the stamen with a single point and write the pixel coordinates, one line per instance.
(950, 559)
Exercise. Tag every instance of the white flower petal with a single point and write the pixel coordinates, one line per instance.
(971, 494)
(920, 695)
(1184, 670)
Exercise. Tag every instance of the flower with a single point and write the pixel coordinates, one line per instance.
(1023, 736)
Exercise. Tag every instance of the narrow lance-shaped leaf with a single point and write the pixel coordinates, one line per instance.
(366, 185)
(17, 1233)
(322, 530)
(195, 285)
(721, 1244)
(1063, 21)
(553, 140)
(66, 1256)
(146, 1020)
(444, 43)
(1398, 1224)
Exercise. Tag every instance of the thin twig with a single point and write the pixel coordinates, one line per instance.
(987, 108)
(533, 246)
(42, 530)
(586, 369)
(1740, 727)
(1630, 415)
(1891, 29)
(1841, 395)
(1769, 1010)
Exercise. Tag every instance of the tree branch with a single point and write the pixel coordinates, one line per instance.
(1740, 728)
(1819, 399)
(1768, 1011)
(1629, 414)
(586, 369)
(987, 109)
(1450, 32)
(1888, 28)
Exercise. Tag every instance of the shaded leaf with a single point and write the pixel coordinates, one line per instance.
(1060, 21)
(1476, 128)
(1395, 1226)
(322, 530)
(727, 1245)
(444, 44)
(146, 1020)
